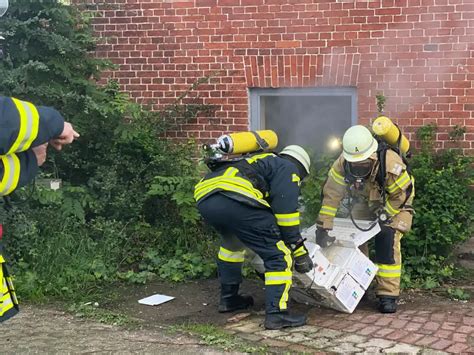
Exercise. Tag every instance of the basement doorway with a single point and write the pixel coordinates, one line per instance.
(310, 117)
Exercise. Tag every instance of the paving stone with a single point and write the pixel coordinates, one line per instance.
(419, 319)
(465, 329)
(383, 332)
(441, 344)
(431, 325)
(300, 349)
(448, 326)
(412, 326)
(432, 352)
(398, 334)
(352, 338)
(294, 338)
(304, 329)
(248, 327)
(330, 333)
(376, 343)
(343, 348)
(398, 324)
(460, 338)
(383, 321)
(271, 333)
(369, 330)
(454, 318)
(426, 340)
(468, 320)
(355, 327)
(412, 338)
(457, 348)
(319, 343)
(445, 334)
(275, 343)
(438, 317)
(403, 348)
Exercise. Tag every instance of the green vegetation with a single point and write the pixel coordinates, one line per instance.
(125, 209)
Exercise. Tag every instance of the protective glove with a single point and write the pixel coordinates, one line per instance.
(303, 262)
(323, 239)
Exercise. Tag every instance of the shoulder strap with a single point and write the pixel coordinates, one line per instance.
(262, 143)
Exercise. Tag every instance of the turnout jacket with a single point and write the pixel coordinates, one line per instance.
(263, 180)
(399, 192)
(23, 126)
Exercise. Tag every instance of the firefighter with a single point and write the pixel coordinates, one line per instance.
(253, 203)
(25, 132)
(377, 181)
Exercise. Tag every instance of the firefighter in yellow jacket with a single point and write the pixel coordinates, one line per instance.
(25, 132)
(377, 182)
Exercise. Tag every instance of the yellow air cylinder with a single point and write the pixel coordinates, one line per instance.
(386, 129)
(246, 142)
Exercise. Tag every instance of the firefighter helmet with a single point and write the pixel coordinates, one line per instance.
(3, 7)
(358, 144)
(298, 153)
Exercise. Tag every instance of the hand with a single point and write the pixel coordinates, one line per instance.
(322, 238)
(303, 262)
(40, 153)
(66, 137)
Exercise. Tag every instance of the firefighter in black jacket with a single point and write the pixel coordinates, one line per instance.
(253, 203)
(25, 132)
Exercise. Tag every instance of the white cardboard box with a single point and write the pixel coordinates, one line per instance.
(354, 262)
(342, 272)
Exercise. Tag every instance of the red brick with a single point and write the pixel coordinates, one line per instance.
(412, 338)
(426, 341)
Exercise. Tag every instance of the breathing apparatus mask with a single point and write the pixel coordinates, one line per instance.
(356, 173)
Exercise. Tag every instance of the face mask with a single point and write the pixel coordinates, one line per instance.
(360, 169)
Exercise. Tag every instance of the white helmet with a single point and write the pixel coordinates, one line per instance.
(3, 7)
(295, 151)
(358, 144)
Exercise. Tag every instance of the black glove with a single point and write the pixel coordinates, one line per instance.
(322, 238)
(303, 262)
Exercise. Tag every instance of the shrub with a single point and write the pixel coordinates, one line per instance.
(122, 197)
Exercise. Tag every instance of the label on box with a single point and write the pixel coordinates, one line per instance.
(349, 293)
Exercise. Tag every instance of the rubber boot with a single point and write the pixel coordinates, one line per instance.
(231, 300)
(279, 320)
(387, 304)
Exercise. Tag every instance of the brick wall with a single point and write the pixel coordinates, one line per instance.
(419, 53)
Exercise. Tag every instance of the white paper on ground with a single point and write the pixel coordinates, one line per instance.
(155, 300)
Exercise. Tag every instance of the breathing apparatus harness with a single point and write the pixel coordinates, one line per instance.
(357, 183)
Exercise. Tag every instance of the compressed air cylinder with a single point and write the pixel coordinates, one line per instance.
(246, 142)
(386, 129)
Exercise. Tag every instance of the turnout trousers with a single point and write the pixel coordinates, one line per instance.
(388, 256)
(8, 301)
(241, 225)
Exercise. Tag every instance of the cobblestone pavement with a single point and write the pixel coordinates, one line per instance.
(432, 330)
(48, 331)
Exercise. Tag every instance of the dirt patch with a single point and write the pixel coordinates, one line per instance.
(197, 302)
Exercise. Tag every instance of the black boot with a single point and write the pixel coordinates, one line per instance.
(387, 304)
(280, 320)
(231, 300)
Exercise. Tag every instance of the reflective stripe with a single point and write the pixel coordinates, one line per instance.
(389, 271)
(288, 219)
(339, 179)
(231, 256)
(391, 211)
(403, 180)
(300, 251)
(328, 210)
(296, 178)
(277, 277)
(289, 263)
(259, 156)
(232, 188)
(11, 174)
(29, 125)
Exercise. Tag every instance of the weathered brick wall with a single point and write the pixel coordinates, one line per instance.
(419, 53)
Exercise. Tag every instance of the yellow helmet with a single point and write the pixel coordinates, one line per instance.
(358, 144)
(298, 153)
